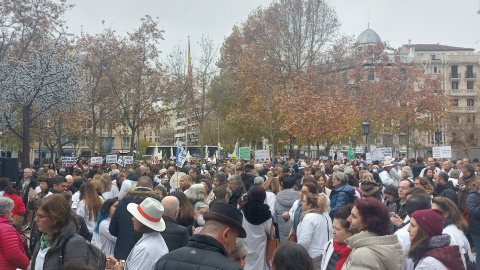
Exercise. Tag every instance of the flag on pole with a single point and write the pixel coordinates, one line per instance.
(237, 151)
(181, 155)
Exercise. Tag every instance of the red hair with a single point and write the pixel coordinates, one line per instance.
(374, 215)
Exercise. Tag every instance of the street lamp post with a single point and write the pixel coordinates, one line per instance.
(366, 131)
(438, 136)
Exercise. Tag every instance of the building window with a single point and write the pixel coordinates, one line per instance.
(469, 85)
(470, 102)
(454, 85)
(432, 57)
(149, 139)
(455, 102)
(126, 142)
(455, 72)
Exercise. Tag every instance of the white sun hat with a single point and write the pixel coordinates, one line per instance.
(149, 213)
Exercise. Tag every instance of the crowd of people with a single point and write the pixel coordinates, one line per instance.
(327, 214)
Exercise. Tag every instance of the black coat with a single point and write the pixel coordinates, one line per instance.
(202, 252)
(248, 180)
(121, 225)
(417, 169)
(448, 191)
(175, 235)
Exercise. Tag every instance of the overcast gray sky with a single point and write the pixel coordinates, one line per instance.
(454, 23)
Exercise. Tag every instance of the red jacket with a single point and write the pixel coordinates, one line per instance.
(19, 208)
(449, 255)
(12, 254)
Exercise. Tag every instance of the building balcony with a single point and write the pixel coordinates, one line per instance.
(179, 135)
(455, 76)
(465, 109)
(179, 127)
(470, 76)
(463, 92)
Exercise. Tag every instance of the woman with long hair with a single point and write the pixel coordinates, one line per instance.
(336, 252)
(185, 216)
(372, 246)
(59, 238)
(322, 181)
(239, 254)
(109, 191)
(429, 248)
(424, 183)
(272, 184)
(185, 183)
(454, 224)
(89, 205)
(103, 239)
(257, 223)
(315, 227)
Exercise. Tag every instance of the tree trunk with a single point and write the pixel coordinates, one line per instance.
(408, 141)
(59, 138)
(26, 137)
(132, 140)
(202, 152)
(94, 137)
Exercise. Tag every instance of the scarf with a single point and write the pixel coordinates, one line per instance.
(256, 213)
(311, 210)
(341, 251)
(43, 241)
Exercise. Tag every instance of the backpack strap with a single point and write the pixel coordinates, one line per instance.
(62, 251)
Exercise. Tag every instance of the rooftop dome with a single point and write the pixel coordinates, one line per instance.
(368, 37)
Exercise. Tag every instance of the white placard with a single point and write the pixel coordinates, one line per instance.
(381, 153)
(442, 152)
(368, 157)
(111, 159)
(127, 160)
(96, 161)
(212, 160)
(262, 155)
(69, 161)
(155, 160)
(359, 150)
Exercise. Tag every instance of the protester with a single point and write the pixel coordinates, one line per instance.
(369, 187)
(220, 184)
(59, 235)
(89, 205)
(235, 190)
(147, 219)
(257, 223)
(239, 254)
(372, 247)
(315, 227)
(342, 193)
(185, 217)
(101, 235)
(473, 206)
(285, 200)
(121, 223)
(175, 235)
(454, 225)
(464, 184)
(196, 193)
(200, 208)
(209, 195)
(424, 183)
(223, 224)
(429, 249)
(336, 251)
(9, 192)
(185, 183)
(290, 256)
(12, 253)
(445, 188)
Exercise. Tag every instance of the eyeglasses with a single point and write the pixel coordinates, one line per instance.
(40, 216)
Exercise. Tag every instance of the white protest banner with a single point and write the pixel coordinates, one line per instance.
(111, 159)
(96, 160)
(68, 161)
(324, 157)
(358, 150)
(442, 152)
(120, 161)
(262, 155)
(181, 155)
(155, 160)
(128, 160)
(331, 154)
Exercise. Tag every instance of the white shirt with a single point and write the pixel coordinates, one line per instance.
(75, 200)
(112, 193)
(41, 258)
(458, 238)
(404, 239)
(126, 185)
(257, 244)
(313, 232)
(148, 250)
(270, 201)
(103, 239)
(83, 212)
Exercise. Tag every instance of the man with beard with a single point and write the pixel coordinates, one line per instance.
(235, 190)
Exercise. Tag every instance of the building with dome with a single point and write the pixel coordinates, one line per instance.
(368, 37)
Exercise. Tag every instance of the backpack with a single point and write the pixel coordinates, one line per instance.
(95, 257)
